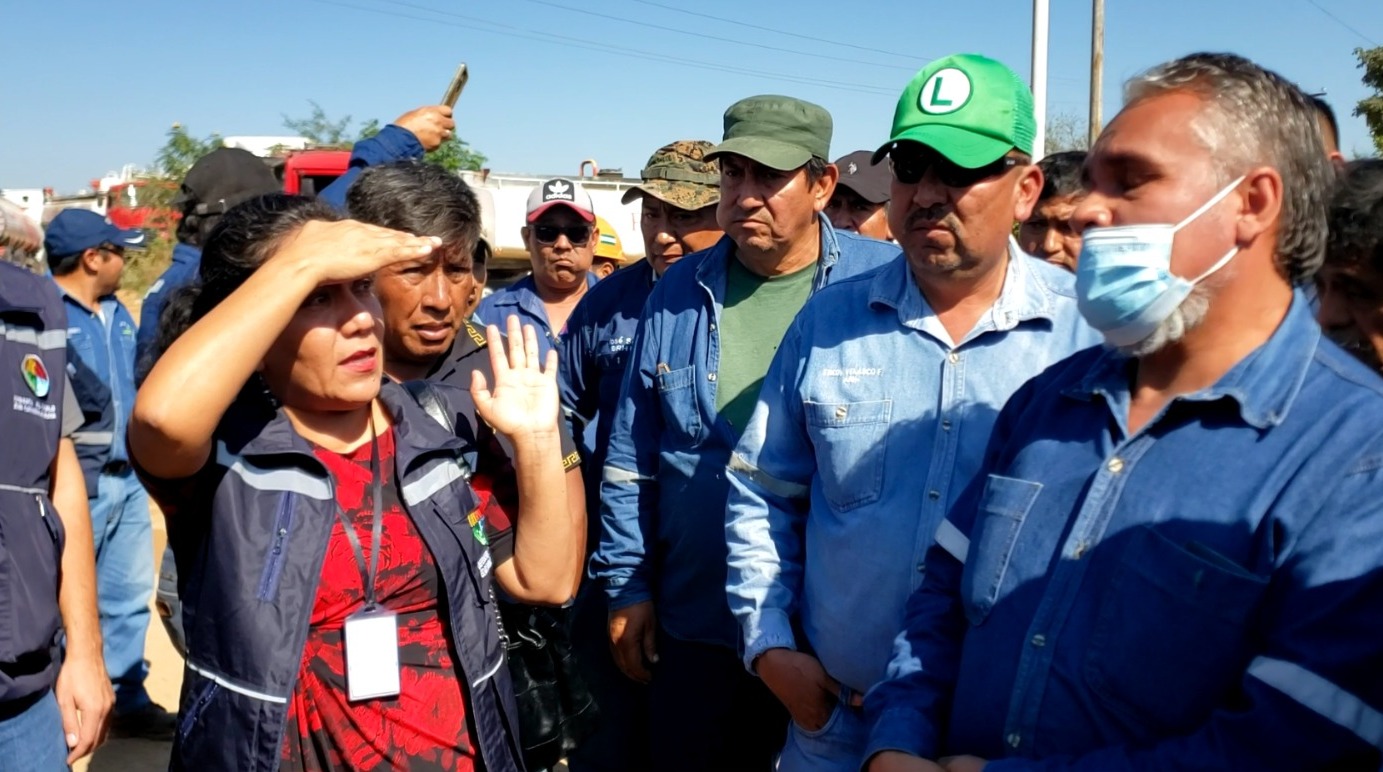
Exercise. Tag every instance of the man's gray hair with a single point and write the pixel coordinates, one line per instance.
(1255, 117)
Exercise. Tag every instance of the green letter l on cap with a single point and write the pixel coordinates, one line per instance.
(945, 92)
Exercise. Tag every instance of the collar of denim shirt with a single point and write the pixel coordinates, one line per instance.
(1262, 385)
(1025, 295)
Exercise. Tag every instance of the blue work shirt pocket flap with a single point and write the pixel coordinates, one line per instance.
(1171, 634)
(850, 440)
(1003, 508)
(677, 396)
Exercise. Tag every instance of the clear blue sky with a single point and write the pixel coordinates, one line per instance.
(89, 86)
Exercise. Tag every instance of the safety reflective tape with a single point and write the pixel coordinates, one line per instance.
(238, 689)
(294, 480)
(441, 473)
(613, 474)
(489, 674)
(949, 538)
(48, 340)
(784, 488)
(93, 438)
(1322, 697)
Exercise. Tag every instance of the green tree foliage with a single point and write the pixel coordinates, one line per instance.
(1066, 132)
(321, 130)
(180, 151)
(454, 155)
(1370, 108)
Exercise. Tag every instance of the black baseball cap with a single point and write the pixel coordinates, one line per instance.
(225, 177)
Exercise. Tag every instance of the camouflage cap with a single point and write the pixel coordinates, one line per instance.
(680, 175)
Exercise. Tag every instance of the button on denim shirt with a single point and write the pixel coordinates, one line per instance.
(663, 488)
(1206, 593)
(870, 423)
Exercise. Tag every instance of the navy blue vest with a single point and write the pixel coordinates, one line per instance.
(249, 536)
(33, 361)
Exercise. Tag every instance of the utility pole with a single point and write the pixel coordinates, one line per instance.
(1039, 76)
(1096, 69)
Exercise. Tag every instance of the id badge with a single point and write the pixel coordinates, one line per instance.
(372, 654)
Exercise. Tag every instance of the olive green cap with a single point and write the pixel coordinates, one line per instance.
(779, 132)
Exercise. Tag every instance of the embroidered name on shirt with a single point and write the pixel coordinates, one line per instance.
(619, 345)
(852, 374)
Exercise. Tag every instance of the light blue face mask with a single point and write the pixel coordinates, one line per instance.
(1125, 286)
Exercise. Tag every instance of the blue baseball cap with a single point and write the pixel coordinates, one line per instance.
(74, 231)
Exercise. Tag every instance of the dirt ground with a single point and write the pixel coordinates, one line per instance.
(165, 679)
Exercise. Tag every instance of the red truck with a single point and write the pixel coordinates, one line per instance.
(302, 172)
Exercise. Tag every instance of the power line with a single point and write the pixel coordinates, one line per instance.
(546, 38)
(813, 38)
(1343, 23)
(718, 38)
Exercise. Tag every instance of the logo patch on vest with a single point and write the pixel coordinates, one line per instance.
(35, 375)
(477, 523)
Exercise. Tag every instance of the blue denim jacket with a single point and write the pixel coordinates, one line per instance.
(592, 355)
(869, 425)
(521, 299)
(663, 489)
(1203, 594)
(187, 260)
(392, 143)
(104, 344)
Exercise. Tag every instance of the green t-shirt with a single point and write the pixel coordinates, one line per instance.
(757, 313)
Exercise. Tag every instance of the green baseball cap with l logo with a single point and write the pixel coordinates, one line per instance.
(967, 107)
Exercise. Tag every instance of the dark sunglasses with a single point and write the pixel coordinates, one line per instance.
(578, 235)
(910, 166)
(114, 250)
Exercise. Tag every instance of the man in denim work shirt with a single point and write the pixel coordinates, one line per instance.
(1174, 557)
(878, 406)
(704, 342)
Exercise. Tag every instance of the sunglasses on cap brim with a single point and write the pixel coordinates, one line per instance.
(910, 165)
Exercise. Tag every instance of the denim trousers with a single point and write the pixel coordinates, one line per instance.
(31, 735)
(124, 539)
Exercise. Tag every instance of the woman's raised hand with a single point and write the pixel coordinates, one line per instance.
(349, 249)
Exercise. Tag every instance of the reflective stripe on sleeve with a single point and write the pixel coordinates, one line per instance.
(784, 488)
(613, 474)
(949, 538)
(1322, 697)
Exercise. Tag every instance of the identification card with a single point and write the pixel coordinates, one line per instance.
(372, 654)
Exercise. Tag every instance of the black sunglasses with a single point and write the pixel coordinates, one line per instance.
(578, 235)
(910, 166)
(112, 249)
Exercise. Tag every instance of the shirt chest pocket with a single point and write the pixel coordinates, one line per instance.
(677, 398)
(80, 346)
(1170, 634)
(850, 439)
(1003, 508)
